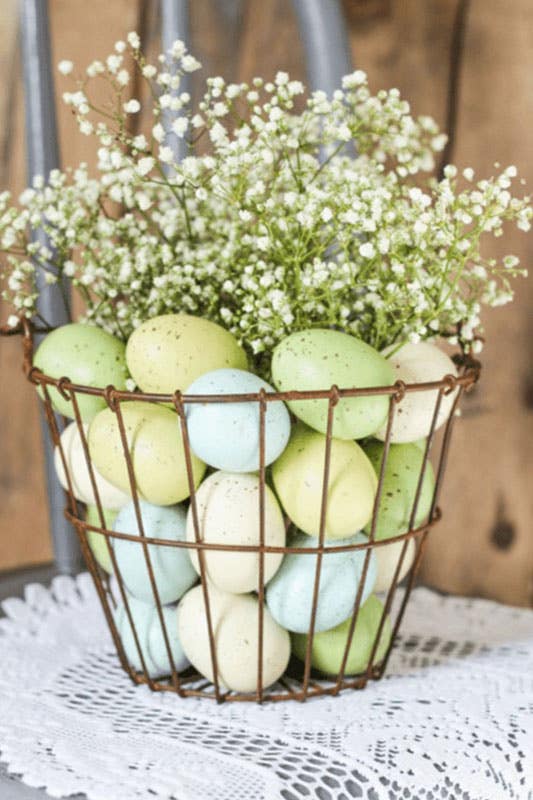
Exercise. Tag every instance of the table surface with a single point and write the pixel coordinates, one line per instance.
(12, 585)
(450, 720)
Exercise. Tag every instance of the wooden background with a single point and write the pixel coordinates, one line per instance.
(484, 546)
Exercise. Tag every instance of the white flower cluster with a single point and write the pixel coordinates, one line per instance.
(275, 226)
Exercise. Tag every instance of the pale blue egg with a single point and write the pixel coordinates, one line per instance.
(172, 567)
(150, 637)
(289, 594)
(226, 435)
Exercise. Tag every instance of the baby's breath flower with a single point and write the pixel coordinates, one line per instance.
(274, 227)
(65, 67)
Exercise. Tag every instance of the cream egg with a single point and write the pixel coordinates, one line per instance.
(72, 445)
(228, 513)
(235, 624)
(418, 363)
(387, 559)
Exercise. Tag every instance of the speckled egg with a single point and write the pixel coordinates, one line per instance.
(169, 352)
(387, 558)
(298, 478)
(419, 363)
(289, 594)
(226, 435)
(88, 356)
(402, 473)
(318, 359)
(110, 496)
(328, 647)
(235, 626)
(97, 542)
(156, 447)
(151, 638)
(228, 513)
(172, 568)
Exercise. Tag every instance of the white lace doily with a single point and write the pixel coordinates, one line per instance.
(453, 719)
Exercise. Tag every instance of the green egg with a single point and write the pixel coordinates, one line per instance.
(402, 473)
(154, 440)
(97, 542)
(88, 356)
(328, 647)
(169, 352)
(318, 359)
(298, 479)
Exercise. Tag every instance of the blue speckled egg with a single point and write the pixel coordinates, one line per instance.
(226, 435)
(289, 594)
(172, 567)
(151, 638)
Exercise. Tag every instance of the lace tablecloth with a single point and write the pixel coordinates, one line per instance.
(453, 719)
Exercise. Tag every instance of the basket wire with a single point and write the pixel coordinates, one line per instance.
(295, 684)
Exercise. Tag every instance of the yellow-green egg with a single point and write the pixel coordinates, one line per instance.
(97, 541)
(327, 650)
(154, 441)
(169, 352)
(402, 473)
(298, 479)
(318, 359)
(88, 356)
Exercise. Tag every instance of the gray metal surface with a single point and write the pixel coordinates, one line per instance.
(175, 25)
(53, 305)
(326, 44)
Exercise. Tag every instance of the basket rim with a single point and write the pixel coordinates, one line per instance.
(469, 375)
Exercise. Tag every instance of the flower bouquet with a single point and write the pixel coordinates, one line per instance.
(252, 392)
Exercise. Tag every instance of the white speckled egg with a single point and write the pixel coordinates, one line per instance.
(387, 558)
(151, 638)
(169, 352)
(235, 629)
(110, 497)
(289, 594)
(228, 513)
(418, 363)
(226, 435)
(173, 571)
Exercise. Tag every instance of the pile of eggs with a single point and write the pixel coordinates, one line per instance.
(177, 352)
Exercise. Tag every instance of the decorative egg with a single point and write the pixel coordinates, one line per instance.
(327, 650)
(151, 638)
(169, 352)
(234, 620)
(387, 558)
(419, 363)
(88, 356)
(318, 359)
(171, 566)
(228, 513)
(226, 435)
(71, 441)
(402, 473)
(298, 477)
(97, 541)
(154, 440)
(289, 594)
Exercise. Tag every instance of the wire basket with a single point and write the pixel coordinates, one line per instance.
(300, 679)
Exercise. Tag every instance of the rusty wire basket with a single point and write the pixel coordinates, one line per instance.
(300, 680)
